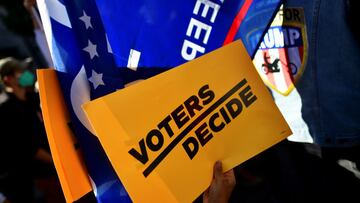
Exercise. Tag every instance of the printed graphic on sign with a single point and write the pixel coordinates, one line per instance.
(281, 57)
(164, 134)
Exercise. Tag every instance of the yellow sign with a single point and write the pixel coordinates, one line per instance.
(69, 165)
(164, 134)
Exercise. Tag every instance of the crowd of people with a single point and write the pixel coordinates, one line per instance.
(26, 166)
(326, 170)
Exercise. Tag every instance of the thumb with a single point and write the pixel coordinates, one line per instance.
(217, 170)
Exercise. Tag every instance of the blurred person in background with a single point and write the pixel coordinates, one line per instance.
(22, 138)
(18, 27)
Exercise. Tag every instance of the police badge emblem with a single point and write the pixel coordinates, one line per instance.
(282, 55)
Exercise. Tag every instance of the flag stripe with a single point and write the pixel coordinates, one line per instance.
(237, 22)
(285, 66)
(301, 52)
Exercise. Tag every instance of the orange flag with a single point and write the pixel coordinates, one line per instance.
(67, 159)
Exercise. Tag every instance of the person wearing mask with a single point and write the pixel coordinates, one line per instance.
(22, 132)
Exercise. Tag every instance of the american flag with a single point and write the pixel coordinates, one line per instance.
(85, 66)
(98, 46)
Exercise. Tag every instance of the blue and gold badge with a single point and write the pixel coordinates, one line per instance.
(282, 55)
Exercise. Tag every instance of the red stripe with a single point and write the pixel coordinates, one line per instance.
(301, 52)
(237, 22)
(285, 66)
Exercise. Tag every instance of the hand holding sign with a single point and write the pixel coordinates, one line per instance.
(221, 186)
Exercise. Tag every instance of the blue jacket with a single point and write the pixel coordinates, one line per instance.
(330, 84)
(311, 44)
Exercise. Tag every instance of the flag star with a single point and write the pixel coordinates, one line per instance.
(96, 79)
(91, 49)
(86, 19)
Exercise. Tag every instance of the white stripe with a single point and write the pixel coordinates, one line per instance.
(58, 12)
(44, 13)
(133, 60)
(41, 38)
(258, 60)
(279, 78)
(108, 45)
(80, 94)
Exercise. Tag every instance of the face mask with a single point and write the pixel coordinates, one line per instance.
(26, 79)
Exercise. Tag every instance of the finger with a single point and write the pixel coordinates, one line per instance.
(206, 192)
(230, 177)
(230, 173)
(217, 170)
(206, 195)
